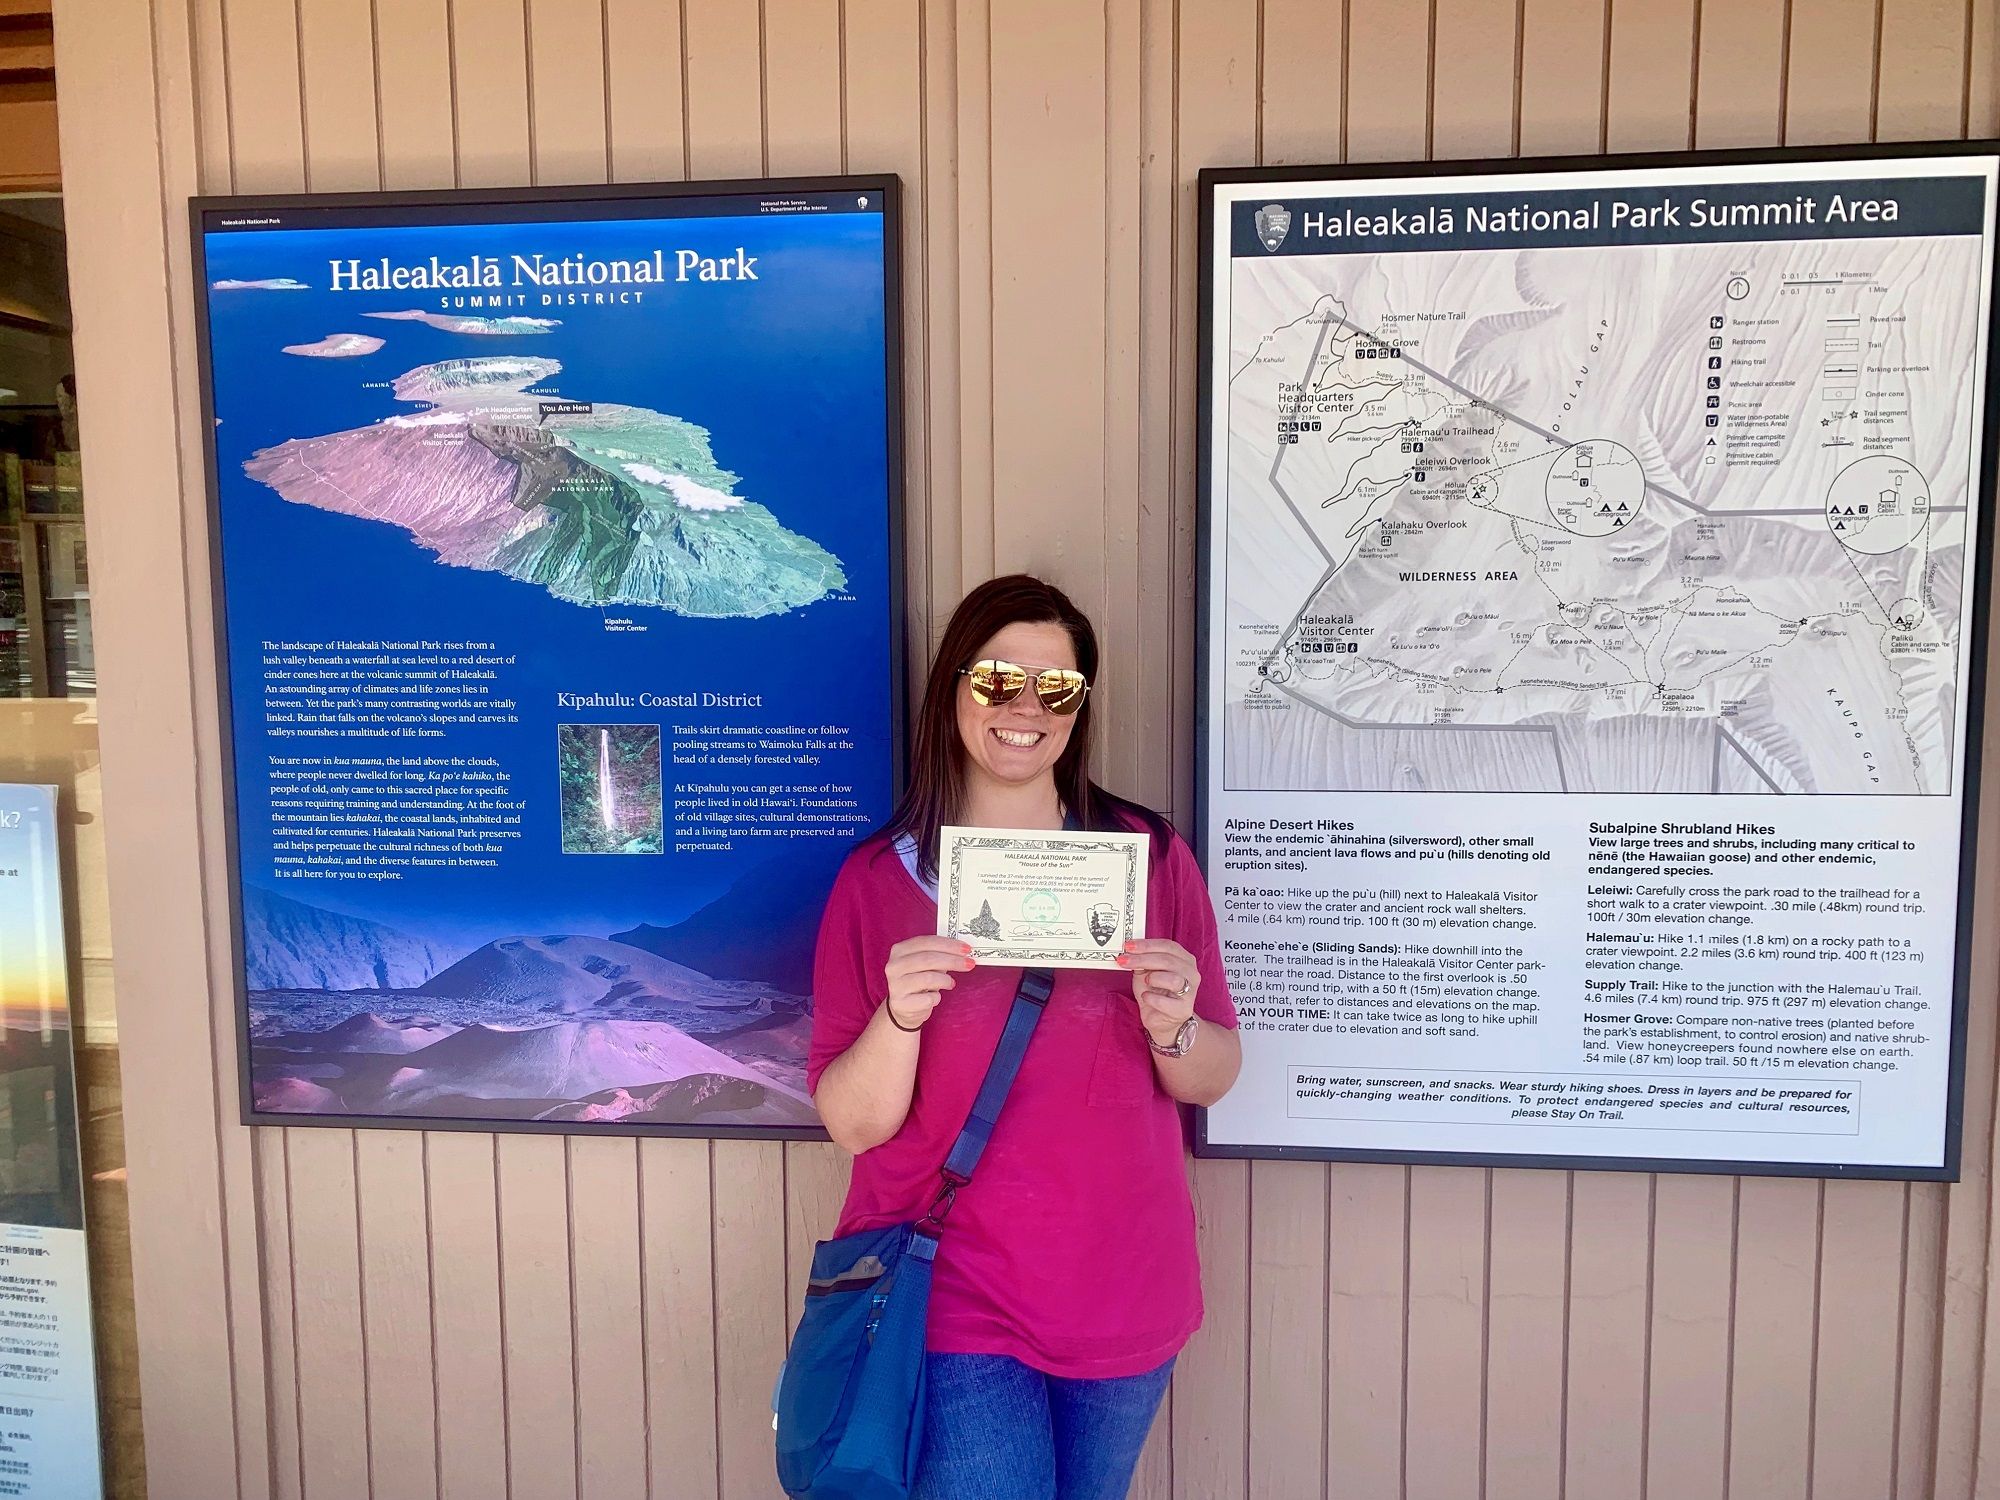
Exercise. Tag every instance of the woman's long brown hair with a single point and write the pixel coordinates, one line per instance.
(935, 795)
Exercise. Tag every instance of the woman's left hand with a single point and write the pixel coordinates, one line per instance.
(1164, 981)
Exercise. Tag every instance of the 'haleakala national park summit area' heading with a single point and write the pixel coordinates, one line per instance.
(1269, 221)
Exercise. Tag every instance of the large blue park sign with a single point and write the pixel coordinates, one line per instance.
(558, 569)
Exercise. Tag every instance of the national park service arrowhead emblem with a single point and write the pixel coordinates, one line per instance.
(1274, 222)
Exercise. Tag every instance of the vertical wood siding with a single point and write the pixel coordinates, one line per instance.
(331, 1314)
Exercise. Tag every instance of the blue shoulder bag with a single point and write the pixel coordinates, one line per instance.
(850, 1400)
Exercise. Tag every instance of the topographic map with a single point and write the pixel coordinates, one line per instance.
(1682, 518)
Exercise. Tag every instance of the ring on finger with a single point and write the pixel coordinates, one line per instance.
(1186, 986)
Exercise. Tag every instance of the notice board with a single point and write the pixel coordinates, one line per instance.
(557, 573)
(1595, 558)
(48, 1380)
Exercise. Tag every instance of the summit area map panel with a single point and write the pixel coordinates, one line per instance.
(1646, 518)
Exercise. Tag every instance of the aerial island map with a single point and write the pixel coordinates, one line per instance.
(602, 504)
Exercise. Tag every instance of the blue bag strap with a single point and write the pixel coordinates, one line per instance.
(1031, 998)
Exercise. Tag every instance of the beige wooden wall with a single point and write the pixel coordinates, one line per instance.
(329, 1314)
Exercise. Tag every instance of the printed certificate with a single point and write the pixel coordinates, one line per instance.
(1042, 899)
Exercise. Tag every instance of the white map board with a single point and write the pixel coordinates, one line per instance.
(1592, 603)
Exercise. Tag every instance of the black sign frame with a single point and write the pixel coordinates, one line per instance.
(523, 204)
(1980, 571)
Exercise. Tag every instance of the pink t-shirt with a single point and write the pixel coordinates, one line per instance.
(1073, 1248)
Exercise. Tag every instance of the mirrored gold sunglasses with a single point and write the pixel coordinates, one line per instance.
(993, 681)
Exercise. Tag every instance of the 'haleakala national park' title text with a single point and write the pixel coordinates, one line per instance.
(491, 272)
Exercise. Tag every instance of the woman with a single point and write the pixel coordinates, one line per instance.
(1066, 1280)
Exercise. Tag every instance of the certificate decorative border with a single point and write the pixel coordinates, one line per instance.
(953, 908)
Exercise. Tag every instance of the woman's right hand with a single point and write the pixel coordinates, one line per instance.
(919, 971)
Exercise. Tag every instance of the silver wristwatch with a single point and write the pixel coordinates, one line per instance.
(1183, 1041)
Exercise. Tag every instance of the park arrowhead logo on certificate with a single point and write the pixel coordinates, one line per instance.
(1042, 899)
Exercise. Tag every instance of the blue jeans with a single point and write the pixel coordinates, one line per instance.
(994, 1429)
